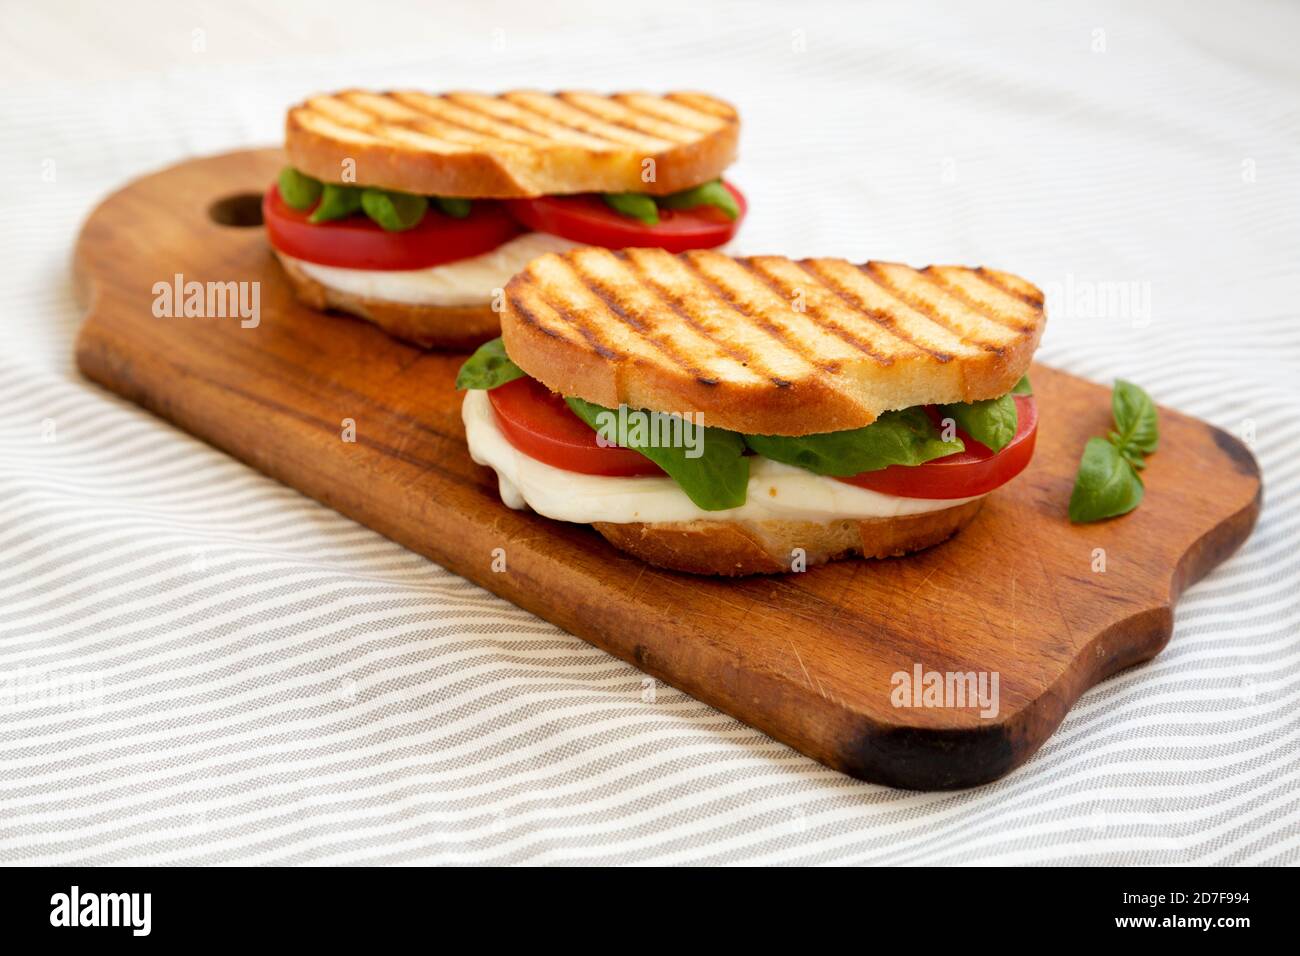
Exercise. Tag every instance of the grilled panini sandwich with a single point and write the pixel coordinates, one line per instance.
(413, 210)
(737, 416)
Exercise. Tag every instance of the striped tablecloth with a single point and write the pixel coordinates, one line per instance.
(199, 665)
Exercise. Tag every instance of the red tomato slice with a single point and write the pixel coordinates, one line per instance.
(537, 422)
(975, 471)
(587, 219)
(359, 243)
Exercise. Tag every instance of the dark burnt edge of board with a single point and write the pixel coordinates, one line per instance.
(1217, 544)
(922, 758)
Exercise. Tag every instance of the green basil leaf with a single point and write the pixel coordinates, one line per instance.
(1136, 425)
(717, 479)
(298, 190)
(635, 205)
(1106, 485)
(487, 368)
(706, 194)
(452, 206)
(992, 422)
(1135, 457)
(1023, 387)
(336, 202)
(394, 211)
(905, 437)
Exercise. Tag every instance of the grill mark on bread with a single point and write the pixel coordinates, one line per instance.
(319, 124)
(426, 124)
(382, 127)
(383, 106)
(597, 343)
(724, 295)
(981, 278)
(993, 279)
(357, 114)
(823, 321)
(631, 138)
(529, 317)
(528, 137)
(607, 121)
(615, 308)
(873, 272)
(542, 126)
(540, 139)
(700, 119)
(648, 124)
(882, 319)
(731, 349)
(974, 305)
(694, 102)
(596, 118)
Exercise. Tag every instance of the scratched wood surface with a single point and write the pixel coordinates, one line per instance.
(807, 658)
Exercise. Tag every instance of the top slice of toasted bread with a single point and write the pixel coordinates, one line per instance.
(512, 145)
(768, 345)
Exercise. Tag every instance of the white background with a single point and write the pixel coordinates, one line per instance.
(242, 675)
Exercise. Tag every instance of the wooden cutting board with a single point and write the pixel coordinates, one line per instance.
(811, 659)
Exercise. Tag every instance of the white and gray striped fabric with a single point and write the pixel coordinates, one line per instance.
(198, 665)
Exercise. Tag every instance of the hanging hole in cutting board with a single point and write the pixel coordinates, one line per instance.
(240, 210)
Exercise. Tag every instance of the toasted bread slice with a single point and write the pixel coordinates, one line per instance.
(517, 144)
(428, 326)
(736, 548)
(768, 345)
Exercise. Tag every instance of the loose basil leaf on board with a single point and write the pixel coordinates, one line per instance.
(487, 368)
(298, 191)
(1106, 485)
(394, 211)
(716, 480)
(905, 437)
(1136, 426)
(452, 206)
(1023, 387)
(336, 202)
(636, 205)
(992, 422)
(706, 194)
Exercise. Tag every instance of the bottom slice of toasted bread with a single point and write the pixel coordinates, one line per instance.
(738, 548)
(428, 326)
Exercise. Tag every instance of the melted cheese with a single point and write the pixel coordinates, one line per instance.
(463, 282)
(776, 491)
